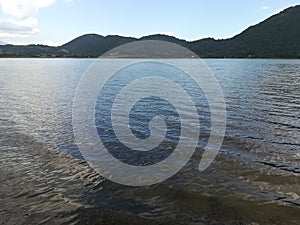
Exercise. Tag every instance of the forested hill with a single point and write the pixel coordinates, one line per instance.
(275, 37)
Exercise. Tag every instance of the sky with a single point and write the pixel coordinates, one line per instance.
(55, 22)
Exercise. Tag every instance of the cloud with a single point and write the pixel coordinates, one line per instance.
(23, 8)
(265, 7)
(24, 28)
(23, 11)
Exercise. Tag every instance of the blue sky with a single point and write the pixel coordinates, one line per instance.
(55, 22)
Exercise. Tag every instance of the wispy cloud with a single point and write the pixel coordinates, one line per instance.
(23, 28)
(23, 23)
(265, 7)
(24, 8)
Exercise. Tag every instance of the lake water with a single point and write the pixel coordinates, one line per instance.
(255, 178)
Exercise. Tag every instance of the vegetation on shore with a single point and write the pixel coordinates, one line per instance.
(275, 37)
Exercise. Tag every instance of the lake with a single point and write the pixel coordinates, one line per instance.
(254, 180)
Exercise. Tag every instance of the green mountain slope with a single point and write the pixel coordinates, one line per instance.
(93, 45)
(276, 37)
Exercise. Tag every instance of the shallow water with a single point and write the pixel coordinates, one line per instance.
(255, 178)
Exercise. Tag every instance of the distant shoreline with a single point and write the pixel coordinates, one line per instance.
(277, 37)
(92, 57)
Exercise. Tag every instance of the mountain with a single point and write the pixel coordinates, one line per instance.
(83, 43)
(94, 45)
(163, 37)
(276, 37)
(30, 51)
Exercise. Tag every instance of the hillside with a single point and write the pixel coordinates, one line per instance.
(275, 37)
(94, 45)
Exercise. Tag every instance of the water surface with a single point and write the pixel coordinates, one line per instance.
(255, 178)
